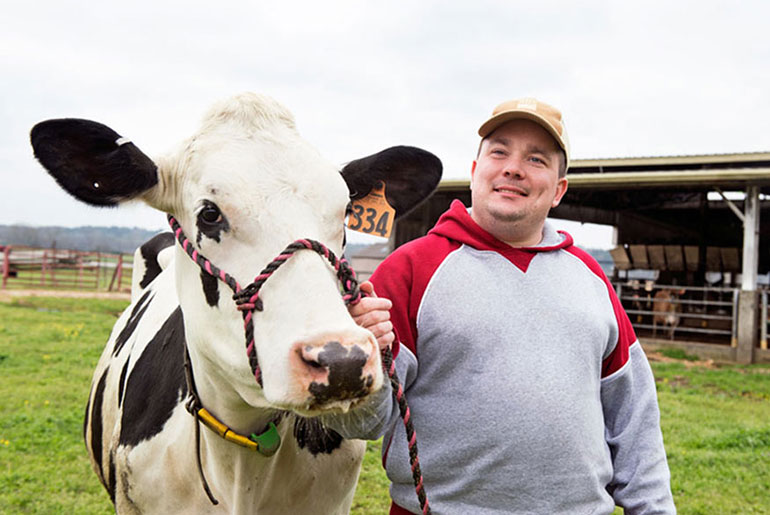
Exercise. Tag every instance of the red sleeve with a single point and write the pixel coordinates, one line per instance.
(626, 336)
(403, 278)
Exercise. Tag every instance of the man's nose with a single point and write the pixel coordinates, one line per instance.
(513, 168)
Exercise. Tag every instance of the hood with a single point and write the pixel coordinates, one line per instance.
(456, 224)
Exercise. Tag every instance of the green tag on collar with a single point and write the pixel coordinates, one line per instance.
(269, 441)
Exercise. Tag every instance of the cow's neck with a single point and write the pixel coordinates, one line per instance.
(224, 403)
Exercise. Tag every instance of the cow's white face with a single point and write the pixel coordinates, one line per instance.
(243, 188)
(242, 192)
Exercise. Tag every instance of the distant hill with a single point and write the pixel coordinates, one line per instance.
(88, 238)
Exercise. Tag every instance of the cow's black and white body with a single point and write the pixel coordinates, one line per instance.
(242, 188)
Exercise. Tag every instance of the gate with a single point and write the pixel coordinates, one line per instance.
(34, 268)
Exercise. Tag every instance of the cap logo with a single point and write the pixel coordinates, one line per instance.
(527, 104)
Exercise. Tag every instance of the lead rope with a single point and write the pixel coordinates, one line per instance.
(193, 405)
(248, 301)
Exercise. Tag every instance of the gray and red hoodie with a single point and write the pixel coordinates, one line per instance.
(527, 387)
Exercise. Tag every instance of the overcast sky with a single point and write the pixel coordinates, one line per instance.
(632, 78)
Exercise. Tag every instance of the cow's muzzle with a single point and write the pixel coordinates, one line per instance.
(331, 370)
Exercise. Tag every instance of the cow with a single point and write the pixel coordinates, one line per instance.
(240, 189)
(666, 309)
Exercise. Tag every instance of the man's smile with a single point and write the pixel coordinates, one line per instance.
(508, 189)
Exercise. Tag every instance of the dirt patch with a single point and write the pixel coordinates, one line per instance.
(660, 358)
(7, 295)
(675, 382)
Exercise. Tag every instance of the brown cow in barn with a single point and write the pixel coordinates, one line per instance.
(666, 308)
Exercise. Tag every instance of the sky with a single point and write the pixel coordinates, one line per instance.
(632, 79)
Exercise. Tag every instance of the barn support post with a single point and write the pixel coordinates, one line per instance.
(748, 307)
(734, 337)
(763, 322)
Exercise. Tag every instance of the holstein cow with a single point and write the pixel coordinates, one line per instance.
(242, 188)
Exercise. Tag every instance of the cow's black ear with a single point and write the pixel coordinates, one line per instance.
(410, 175)
(91, 161)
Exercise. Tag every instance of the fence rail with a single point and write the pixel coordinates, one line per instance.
(29, 267)
(682, 312)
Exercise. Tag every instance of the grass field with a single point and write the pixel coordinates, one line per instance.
(716, 420)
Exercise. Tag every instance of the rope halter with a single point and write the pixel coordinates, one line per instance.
(247, 298)
(248, 301)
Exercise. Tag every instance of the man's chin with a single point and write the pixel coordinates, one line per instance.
(507, 215)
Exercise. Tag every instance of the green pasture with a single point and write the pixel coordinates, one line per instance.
(716, 420)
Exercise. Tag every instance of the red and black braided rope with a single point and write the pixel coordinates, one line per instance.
(390, 367)
(248, 301)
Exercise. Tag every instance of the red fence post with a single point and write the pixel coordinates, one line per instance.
(43, 269)
(6, 264)
(116, 275)
(120, 270)
(54, 262)
(80, 270)
(98, 269)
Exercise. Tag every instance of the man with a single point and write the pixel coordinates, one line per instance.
(528, 389)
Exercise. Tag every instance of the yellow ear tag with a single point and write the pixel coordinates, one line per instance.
(372, 214)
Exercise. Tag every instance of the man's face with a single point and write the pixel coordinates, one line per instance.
(515, 182)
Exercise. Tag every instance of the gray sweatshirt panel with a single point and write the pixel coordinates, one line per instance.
(510, 388)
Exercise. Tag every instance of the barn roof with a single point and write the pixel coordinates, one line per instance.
(689, 171)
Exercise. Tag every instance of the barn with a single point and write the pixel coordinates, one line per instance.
(695, 225)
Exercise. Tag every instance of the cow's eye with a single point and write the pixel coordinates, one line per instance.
(210, 215)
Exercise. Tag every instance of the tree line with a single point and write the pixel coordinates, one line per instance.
(87, 238)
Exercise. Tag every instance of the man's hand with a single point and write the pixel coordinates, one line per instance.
(373, 313)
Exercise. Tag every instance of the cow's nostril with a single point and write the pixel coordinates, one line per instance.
(311, 363)
(309, 356)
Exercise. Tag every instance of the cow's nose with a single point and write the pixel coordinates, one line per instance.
(338, 370)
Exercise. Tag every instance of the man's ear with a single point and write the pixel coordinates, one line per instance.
(561, 190)
(92, 162)
(410, 175)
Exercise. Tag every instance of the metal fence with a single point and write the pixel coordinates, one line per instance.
(696, 313)
(27, 267)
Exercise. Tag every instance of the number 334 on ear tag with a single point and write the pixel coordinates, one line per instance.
(372, 214)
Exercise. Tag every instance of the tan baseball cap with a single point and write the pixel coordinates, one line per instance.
(539, 112)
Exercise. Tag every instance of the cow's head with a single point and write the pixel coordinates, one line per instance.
(242, 188)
